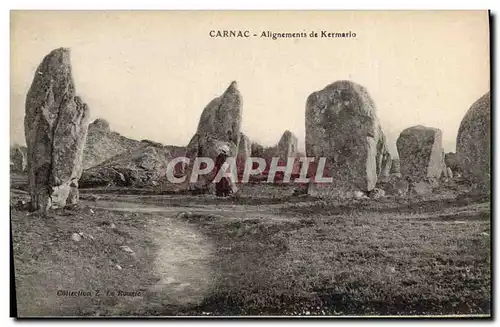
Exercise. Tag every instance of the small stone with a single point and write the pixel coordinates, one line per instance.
(359, 195)
(88, 236)
(169, 280)
(184, 214)
(119, 267)
(485, 234)
(126, 249)
(112, 226)
(76, 237)
(391, 270)
(91, 211)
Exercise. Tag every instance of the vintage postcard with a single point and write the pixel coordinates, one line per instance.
(250, 163)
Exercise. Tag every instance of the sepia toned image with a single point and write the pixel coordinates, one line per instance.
(250, 163)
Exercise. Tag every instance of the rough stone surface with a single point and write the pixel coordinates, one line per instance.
(56, 123)
(143, 166)
(421, 152)
(18, 158)
(102, 143)
(342, 125)
(473, 144)
(219, 126)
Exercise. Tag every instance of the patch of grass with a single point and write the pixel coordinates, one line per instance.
(358, 263)
(310, 258)
(47, 260)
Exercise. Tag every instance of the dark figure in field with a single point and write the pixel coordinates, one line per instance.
(222, 187)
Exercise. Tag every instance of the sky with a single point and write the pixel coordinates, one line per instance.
(151, 73)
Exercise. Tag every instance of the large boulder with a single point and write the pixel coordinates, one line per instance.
(342, 126)
(143, 166)
(219, 127)
(55, 124)
(103, 143)
(18, 158)
(473, 144)
(421, 153)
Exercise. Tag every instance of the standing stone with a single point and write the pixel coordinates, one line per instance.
(395, 166)
(244, 146)
(473, 144)
(444, 169)
(451, 161)
(219, 126)
(342, 125)
(56, 123)
(449, 172)
(18, 159)
(421, 152)
(287, 145)
(257, 150)
(244, 152)
(284, 150)
(385, 162)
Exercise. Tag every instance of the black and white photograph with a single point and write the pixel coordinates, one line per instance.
(219, 163)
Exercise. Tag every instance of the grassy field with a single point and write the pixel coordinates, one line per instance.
(254, 255)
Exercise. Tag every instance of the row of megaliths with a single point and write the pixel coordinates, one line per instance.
(422, 156)
(55, 125)
(342, 126)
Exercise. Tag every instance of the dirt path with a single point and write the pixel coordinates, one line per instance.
(185, 256)
(184, 264)
(226, 210)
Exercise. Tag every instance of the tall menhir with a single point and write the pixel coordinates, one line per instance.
(55, 126)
